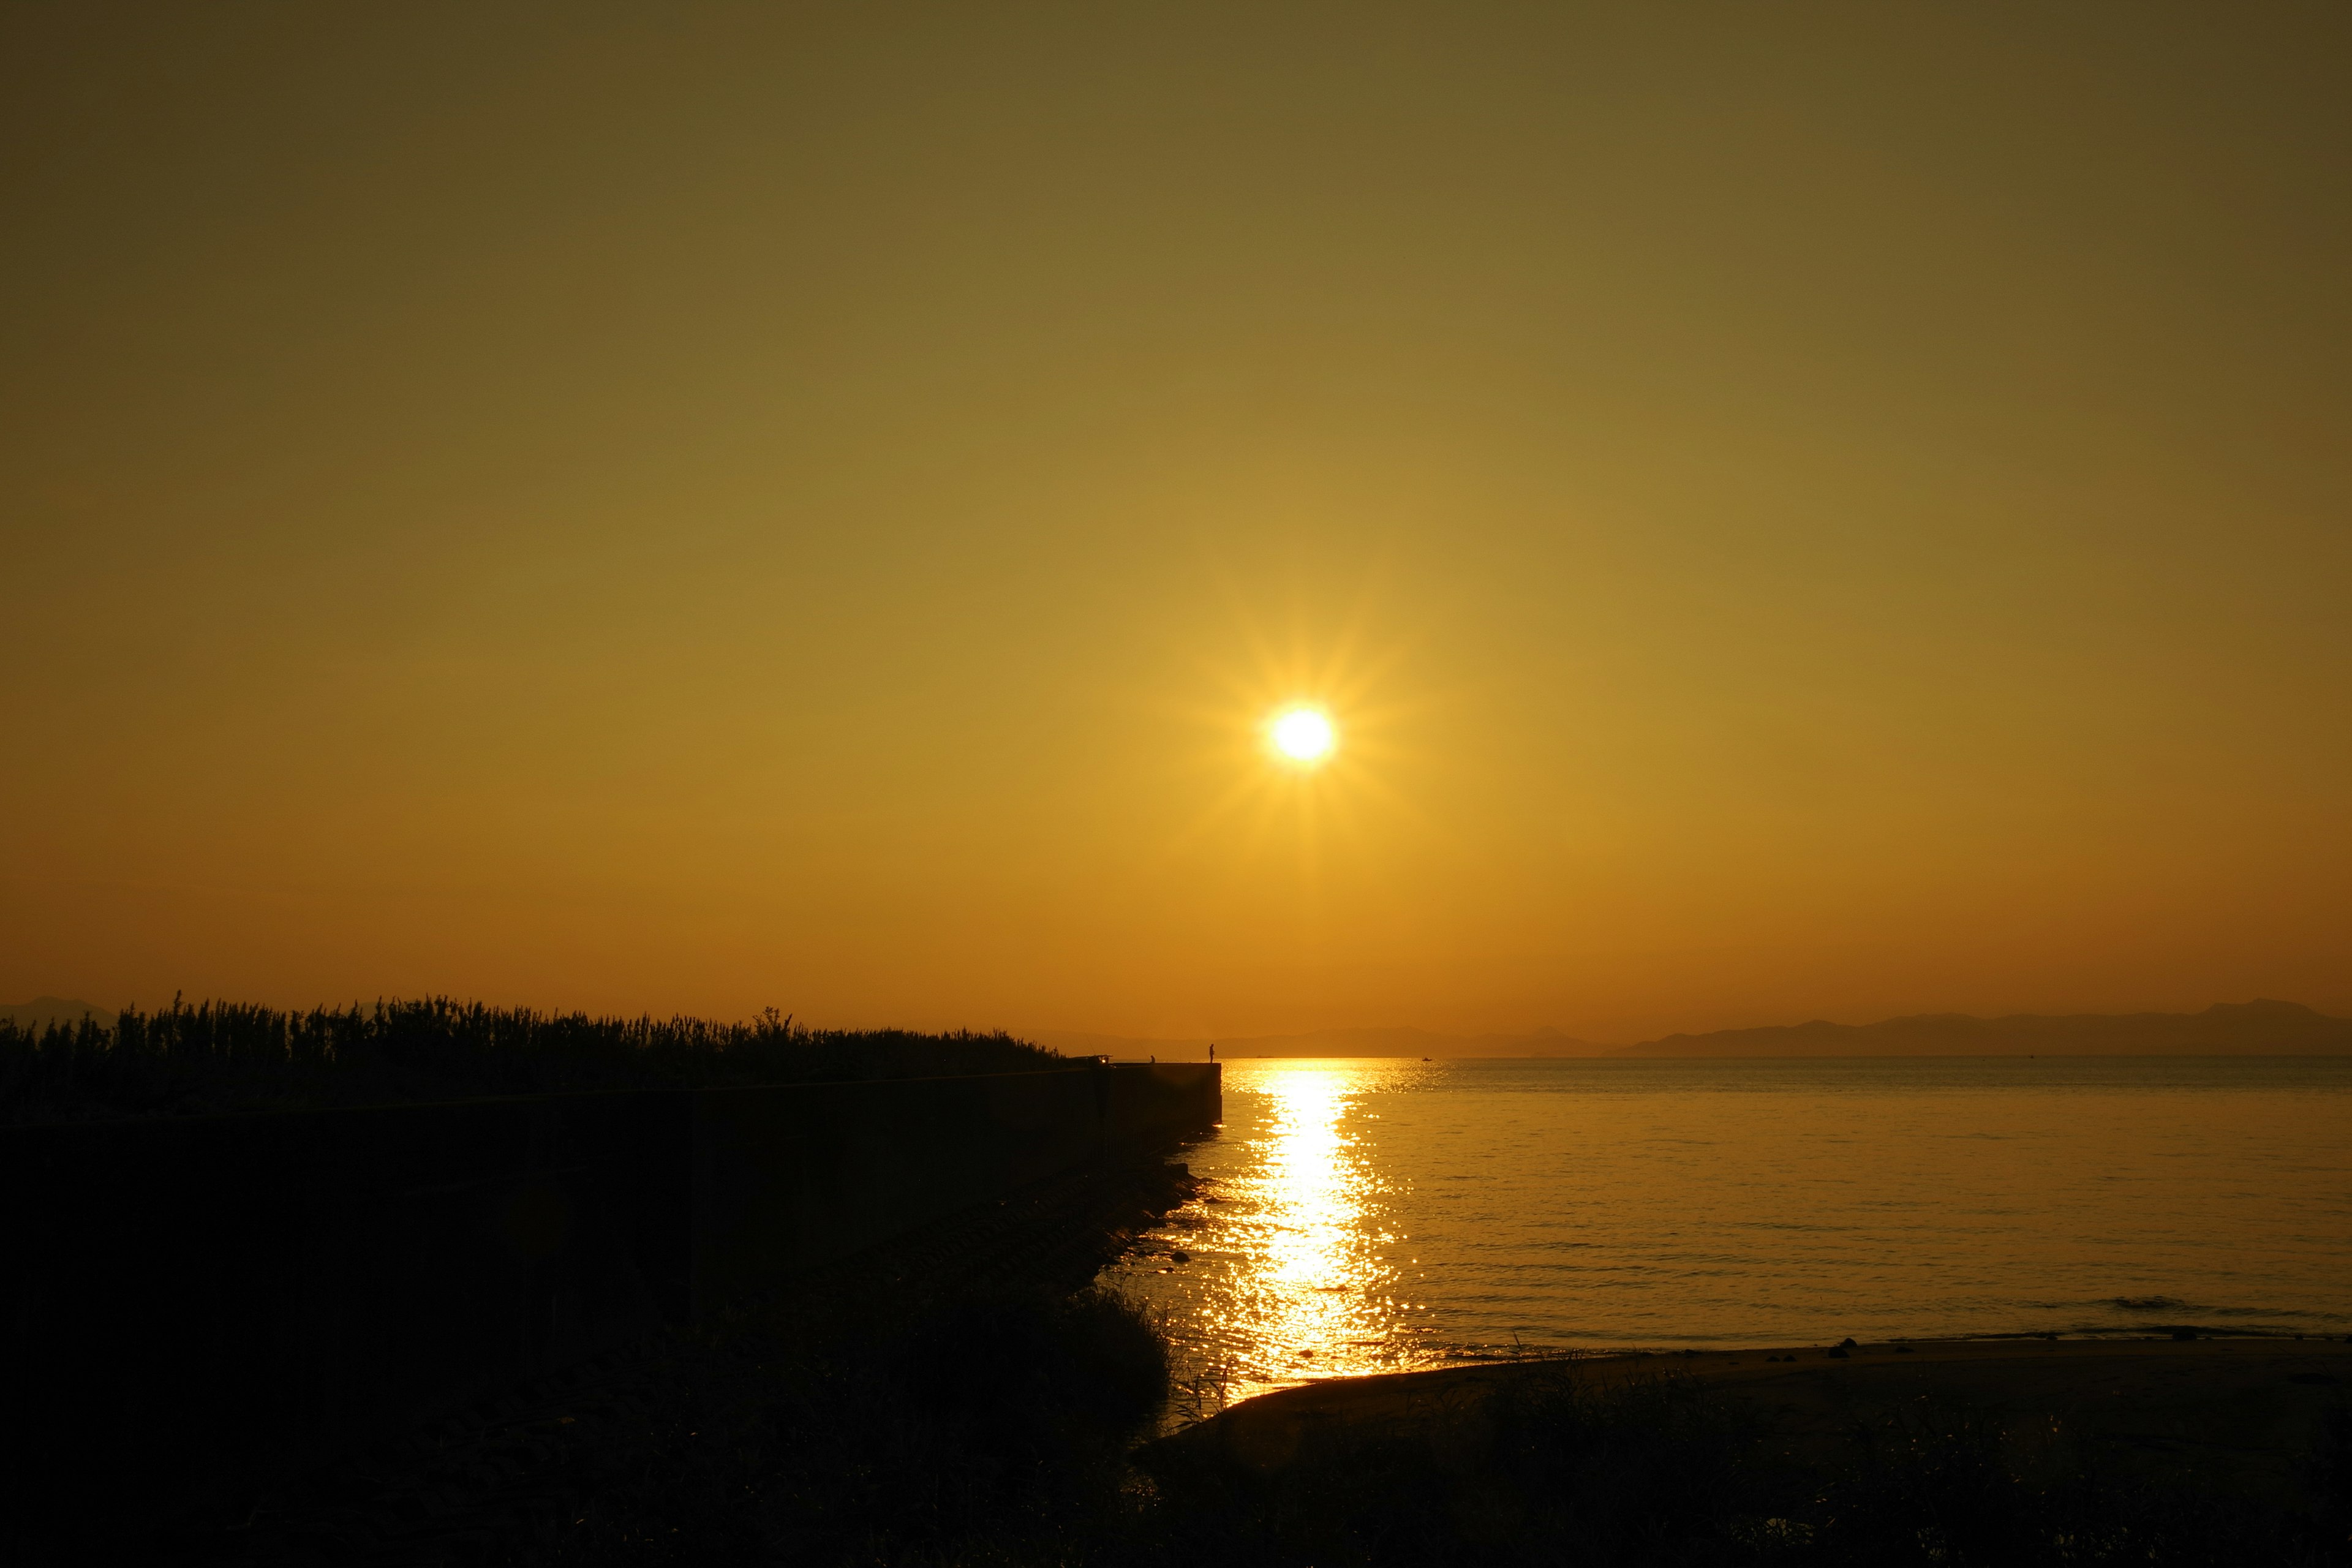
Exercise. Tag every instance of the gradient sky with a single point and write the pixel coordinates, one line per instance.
(1795, 511)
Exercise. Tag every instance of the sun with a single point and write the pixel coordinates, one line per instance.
(1302, 734)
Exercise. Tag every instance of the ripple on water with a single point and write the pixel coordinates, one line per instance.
(1362, 1216)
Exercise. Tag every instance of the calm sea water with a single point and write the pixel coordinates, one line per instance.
(1376, 1215)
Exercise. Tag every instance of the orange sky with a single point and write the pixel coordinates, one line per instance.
(1795, 511)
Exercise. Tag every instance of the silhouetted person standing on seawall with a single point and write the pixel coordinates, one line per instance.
(1213, 1050)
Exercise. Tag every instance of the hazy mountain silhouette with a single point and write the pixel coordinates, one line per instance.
(1408, 1043)
(2225, 1029)
(1328, 1043)
(44, 1010)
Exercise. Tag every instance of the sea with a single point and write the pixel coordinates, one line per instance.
(1370, 1215)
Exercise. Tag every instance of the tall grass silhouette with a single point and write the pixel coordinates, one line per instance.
(216, 1056)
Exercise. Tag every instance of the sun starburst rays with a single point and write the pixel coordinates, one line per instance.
(1305, 744)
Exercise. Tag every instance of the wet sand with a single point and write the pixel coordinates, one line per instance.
(2239, 1413)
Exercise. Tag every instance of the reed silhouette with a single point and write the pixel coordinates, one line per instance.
(218, 1057)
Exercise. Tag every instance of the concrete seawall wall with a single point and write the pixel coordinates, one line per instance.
(200, 1305)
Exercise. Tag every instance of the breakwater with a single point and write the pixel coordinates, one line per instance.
(196, 1306)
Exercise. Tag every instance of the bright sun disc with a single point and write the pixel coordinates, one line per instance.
(1302, 734)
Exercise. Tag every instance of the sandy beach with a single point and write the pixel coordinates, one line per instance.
(2239, 1413)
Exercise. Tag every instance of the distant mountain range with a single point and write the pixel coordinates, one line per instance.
(41, 1011)
(1326, 1043)
(2226, 1029)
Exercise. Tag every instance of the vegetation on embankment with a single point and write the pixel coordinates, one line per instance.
(220, 1057)
(959, 1394)
(989, 1433)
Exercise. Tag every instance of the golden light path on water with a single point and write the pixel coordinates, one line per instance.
(1379, 1214)
(1296, 1268)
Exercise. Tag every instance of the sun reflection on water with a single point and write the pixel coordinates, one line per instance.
(1289, 1267)
(1373, 1215)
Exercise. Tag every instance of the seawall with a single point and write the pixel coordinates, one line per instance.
(196, 1305)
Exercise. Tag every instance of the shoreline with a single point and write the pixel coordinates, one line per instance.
(2240, 1408)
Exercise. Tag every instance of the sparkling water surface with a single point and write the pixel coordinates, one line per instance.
(1370, 1215)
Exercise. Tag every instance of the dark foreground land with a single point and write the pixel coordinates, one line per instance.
(964, 1397)
(914, 1421)
(961, 1385)
(1986, 1452)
